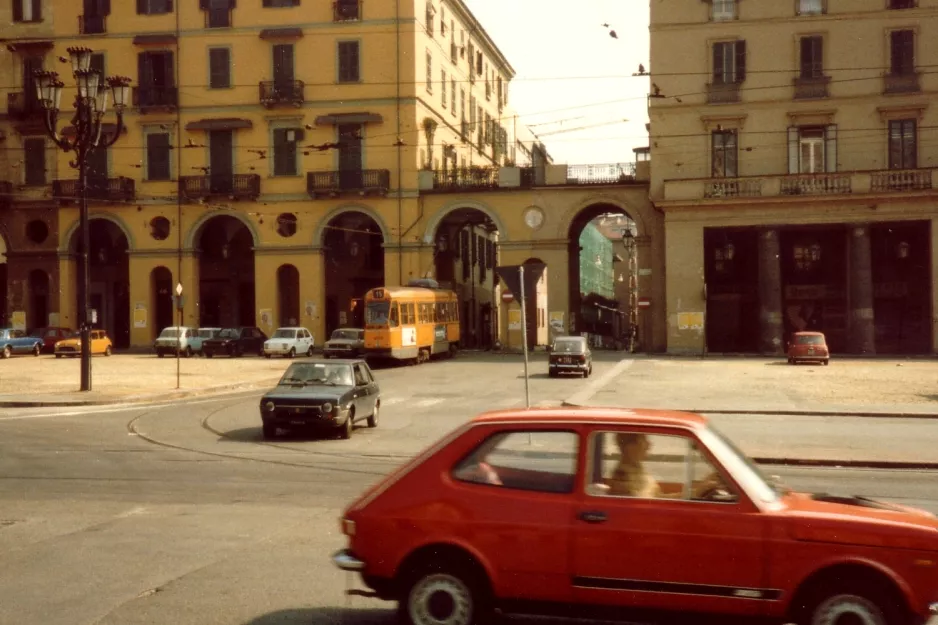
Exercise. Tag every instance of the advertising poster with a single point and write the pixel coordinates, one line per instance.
(310, 310)
(267, 317)
(690, 321)
(514, 319)
(556, 322)
(18, 320)
(140, 315)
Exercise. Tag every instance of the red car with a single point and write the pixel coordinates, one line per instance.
(50, 336)
(808, 347)
(628, 514)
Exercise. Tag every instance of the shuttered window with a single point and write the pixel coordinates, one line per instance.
(219, 61)
(286, 141)
(724, 154)
(158, 156)
(812, 57)
(902, 49)
(27, 10)
(35, 161)
(349, 69)
(154, 7)
(729, 62)
(903, 148)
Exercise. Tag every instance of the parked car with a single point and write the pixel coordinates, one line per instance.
(200, 336)
(289, 342)
(570, 354)
(18, 342)
(345, 343)
(173, 338)
(528, 510)
(100, 344)
(808, 347)
(235, 342)
(50, 336)
(323, 395)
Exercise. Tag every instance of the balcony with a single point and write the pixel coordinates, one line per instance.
(901, 83)
(811, 88)
(118, 189)
(286, 92)
(465, 178)
(346, 10)
(722, 92)
(155, 98)
(612, 173)
(6, 194)
(334, 183)
(22, 108)
(92, 24)
(235, 186)
(832, 185)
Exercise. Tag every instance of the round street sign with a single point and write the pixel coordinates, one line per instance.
(508, 297)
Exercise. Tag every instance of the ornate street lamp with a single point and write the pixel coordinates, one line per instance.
(87, 123)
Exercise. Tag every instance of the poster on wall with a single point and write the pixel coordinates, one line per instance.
(310, 310)
(267, 317)
(556, 322)
(140, 315)
(343, 317)
(18, 320)
(408, 337)
(514, 319)
(54, 319)
(690, 321)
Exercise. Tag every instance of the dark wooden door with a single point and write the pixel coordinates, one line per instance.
(221, 163)
(283, 69)
(350, 156)
(96, 173)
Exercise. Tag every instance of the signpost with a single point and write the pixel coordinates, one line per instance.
(521, 279)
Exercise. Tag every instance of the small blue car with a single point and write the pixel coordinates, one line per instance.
(18, 342)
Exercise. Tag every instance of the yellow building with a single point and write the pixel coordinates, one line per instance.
(793, 152)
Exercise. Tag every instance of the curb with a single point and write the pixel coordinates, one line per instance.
(848, 464)
(574, 402)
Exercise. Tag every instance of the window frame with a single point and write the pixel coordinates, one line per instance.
(147, 6)
(343, 44)
(905, 67)
(724, 148)
(27, 178)
(211, 73)
(729, 10)
(733, 52)
(820, 7)
(299, 136)
(901, 123)
(815, 63)
(147, 133)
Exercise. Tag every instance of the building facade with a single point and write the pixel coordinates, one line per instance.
(793, 155)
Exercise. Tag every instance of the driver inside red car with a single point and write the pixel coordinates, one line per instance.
(630, 479)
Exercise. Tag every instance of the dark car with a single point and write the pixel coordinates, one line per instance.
(235, 342)
(50, 336)
(345, 343)
(570, 354)
(323, 395)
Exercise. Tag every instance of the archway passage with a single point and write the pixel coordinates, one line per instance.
(464, 258)
(4, 318)
(226, 273)
(353, 257)
(161, 299)
(38, 306)
(109, 291)
(288, 293)
(602, 276)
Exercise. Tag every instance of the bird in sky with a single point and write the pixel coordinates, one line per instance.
(641, 69)
(613, 34)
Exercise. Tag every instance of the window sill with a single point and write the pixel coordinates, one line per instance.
(158, 180)
(38, 21)
(350, 82)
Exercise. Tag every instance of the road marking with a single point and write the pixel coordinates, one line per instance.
(582, 398)
(426, 403)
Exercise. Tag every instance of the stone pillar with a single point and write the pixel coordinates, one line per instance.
(771, 339)
(860, 280)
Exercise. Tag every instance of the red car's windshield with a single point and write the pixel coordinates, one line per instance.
(810, 340)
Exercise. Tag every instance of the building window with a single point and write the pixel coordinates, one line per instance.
(443, 88)
(429, 72)
(729, 62)
(723, 154)
(812, 7)
(723, 10)
(285, 152)
(35, 161)
(156, 75)
(903, 144)
(158, 156)
(902, 4)
(452, 95)
(349, 67)
(431, 13)
(219, 62)
(154, 7)
(812, 57)
(902, 52)
(27, 10)
(281, 3)
(811, 150)
(219, 12)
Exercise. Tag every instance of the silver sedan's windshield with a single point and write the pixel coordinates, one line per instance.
(332, 374)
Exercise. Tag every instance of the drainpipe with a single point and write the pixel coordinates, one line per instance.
(400, 199)
(192, 296)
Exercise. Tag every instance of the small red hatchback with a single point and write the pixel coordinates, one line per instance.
(629, 514)
(808, 347)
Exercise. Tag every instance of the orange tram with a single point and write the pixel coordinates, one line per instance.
(411, 323)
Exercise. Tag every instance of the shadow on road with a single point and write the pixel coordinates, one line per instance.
(255, 435)
(322, 616)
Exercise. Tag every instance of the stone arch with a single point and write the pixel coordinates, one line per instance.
(574, 212)
(434, 222)
(68, 243)
(319, 235)
(195, 230)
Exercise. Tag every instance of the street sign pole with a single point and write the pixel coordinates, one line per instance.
(524, 340)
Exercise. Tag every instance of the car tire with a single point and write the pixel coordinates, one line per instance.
(465, 601)
(292, 353)
(373, 419)
(36, 351)
(552, 373)
(188, 352)
(827, 362)
(791, 361)
(7, 352)
(348, 426)
(207, 354)
(309, 352)
(269, 431)
(160, 354)
(267, 356)
(867, 603)
(58, 355)
(107, 350)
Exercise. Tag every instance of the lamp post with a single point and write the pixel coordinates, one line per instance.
(87, 123)
(178, 328)
(628, 241)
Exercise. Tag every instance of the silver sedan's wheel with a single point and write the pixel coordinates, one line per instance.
(440, 599)
(373, 419)
(847, 608)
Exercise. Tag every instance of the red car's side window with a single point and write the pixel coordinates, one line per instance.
(543, 461)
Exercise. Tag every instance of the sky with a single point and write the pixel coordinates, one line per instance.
(571, 73)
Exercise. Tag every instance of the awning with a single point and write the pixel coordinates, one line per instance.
(349, 118)
(225, 123)
(14, 46)
(281, 33)
(157, 39)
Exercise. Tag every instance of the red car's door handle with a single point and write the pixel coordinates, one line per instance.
(593, 516)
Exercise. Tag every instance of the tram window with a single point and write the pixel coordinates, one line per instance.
(407, 313)
(394, 319)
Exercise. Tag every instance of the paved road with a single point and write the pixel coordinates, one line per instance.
(182, 514)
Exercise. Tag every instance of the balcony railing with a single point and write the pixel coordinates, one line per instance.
(722, 92)
(6, 194)
(816, 184)
(465, 178)
(612, 173)
(901, 83)
(275, 92)
(21, 107)
(92, 24)
(155, 98)
(118, 189)
(235, 186)
(811, 88)
(901, 180)
(346, 10)
(361, 181)
(733, 187)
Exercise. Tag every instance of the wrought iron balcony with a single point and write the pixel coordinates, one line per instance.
(612, 173)
(6, 194)
(235, 186)
(20, 107)
(901, 83)
(118, 189)
(274, 92)
(346, 10)
(901, 180)
(92, 24)
(361, 181)
(722, 92)
(811, 88)
(146, 98)
(462, 178)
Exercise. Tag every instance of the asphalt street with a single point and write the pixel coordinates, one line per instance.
(181, 513)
